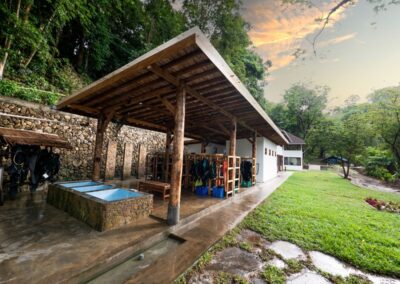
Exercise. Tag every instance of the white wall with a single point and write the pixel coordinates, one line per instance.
(211, 148)
(266, 164)
(270, 161)
(293, 154)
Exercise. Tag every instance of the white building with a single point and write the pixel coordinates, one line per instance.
(292, 154)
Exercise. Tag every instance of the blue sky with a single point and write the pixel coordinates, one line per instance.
(358, 53)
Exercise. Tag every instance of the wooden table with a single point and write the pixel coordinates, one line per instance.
(155, 186)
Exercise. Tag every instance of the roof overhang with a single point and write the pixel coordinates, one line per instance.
(142, 93)
(26, 137)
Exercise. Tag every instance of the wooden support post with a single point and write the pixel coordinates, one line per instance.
(254, 156)
(254, 146)
(232, 140)
(232, 152)
(167, 155)
(177, 158)
(102, 122)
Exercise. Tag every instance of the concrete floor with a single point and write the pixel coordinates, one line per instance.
(40, 244)
(190, 204)
(202, 233)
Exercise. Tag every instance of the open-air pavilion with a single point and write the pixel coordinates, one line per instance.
(177, 88)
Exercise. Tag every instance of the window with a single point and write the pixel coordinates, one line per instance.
(266, 151)
(292, 161)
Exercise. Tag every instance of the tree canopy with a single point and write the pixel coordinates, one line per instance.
(62, 45)
(365, 134)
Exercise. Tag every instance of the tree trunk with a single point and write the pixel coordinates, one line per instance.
(346, 169)
(7, 44)
(42, 29)
(3, 65)
(343, 168)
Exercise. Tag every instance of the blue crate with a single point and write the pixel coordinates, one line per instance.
(218, 192)
(201, 190)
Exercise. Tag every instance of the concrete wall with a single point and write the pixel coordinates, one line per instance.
(80, 131)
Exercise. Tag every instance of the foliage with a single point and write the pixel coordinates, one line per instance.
(12, 89)
(320, 211)
(221, 21)
(45, 39)
(273, 275)
(301, 110)
(380, 164)
(384, 115)
(246, 246)
(321, 139)
(293, 266)
(225, 278)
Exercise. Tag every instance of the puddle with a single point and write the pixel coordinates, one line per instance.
(121, 272)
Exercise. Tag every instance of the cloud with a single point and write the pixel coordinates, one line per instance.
(337, 40)
(279, 30)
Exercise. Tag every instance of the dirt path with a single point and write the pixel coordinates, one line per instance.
(371, 183)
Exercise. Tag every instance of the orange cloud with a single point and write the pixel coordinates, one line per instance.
(279, 30)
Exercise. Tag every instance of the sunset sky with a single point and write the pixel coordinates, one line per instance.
(357, 53)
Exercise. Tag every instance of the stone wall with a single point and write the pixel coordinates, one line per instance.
(80, 131)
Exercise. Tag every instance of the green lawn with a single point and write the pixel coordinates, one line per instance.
(321, 211)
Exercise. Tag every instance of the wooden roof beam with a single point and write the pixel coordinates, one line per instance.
(170, 78)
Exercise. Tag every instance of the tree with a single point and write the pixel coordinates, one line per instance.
(321, 138)
(349, 140)
(384, 115)
(222, 22)
(89, 37)
(27, 29)
(305, 107)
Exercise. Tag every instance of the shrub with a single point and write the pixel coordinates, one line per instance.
(11, 89)
(380, 164)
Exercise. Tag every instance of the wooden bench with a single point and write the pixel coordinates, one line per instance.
(155, 186)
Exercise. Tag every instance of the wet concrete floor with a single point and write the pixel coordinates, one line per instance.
(41, 244)
(203, 233)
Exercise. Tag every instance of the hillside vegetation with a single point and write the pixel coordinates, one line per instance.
(62, 45)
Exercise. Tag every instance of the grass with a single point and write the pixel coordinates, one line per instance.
(322, 211)
(273, 275)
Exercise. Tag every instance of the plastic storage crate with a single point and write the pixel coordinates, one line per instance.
(201, 190)
(218, 192)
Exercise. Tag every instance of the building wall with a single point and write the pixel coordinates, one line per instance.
(211, 148)
(270, 160)
(293, 154)
(80, 131)
(266, 160)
